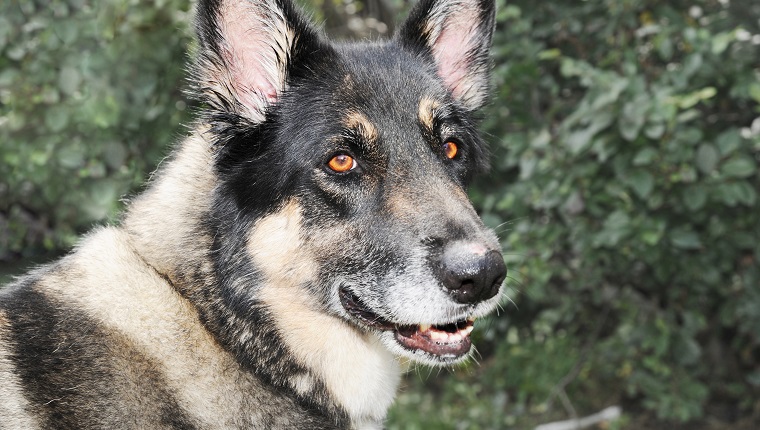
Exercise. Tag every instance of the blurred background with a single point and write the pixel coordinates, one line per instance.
(625, 139)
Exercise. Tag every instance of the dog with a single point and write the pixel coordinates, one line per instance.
(310, 235)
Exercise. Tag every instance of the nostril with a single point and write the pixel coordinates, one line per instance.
(467, 284)
(471, 275)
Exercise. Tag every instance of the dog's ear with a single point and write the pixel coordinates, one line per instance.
(457, 35)
(247, 50)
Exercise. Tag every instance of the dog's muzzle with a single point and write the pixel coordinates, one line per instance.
(469, 273)
(447, 340)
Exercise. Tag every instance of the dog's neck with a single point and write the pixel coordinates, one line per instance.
(157, 219)
(277, 334)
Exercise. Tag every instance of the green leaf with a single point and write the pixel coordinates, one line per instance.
(728, 141)
(655, 130)
(691, 135)
(651, 238)
(739, 167)
(738, 192)
(541, 140)
(685, 238)
(101, 198)
(652, 233)
(688, 101)
(549, 54)
(707, 158)
(615, 228)
(68, 31)
(754, 378)
(721, 41)
(665, 48)
(579, 140)
(686, 349)
(645, 156)
(608, 93)
(642, 183)
(754, 91)
(688, 116)
(5, 29)
(746, 193)
(692, 63)
(72, 156)
(115, 154)
(57, 118)
(633, 116)
(69, 80)
(528, 163)
(695, 197)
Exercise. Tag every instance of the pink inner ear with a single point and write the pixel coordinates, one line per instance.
(254, 73)
(248, 77)
(451, 50)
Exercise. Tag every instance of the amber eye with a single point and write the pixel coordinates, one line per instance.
(341, 163)
(450, 149)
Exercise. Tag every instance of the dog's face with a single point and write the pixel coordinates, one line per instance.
(368, 148)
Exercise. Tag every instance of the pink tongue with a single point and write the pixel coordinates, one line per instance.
(435, 341)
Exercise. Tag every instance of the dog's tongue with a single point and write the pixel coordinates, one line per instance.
(449, 340)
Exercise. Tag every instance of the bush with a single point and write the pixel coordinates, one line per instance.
(624, 187)
(89, 99)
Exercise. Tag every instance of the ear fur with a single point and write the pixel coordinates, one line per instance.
(247, 48)
(457, 35)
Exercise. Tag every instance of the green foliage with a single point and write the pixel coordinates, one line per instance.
(624, 189)
(89, 99)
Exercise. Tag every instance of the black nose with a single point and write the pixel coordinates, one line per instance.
(470, 272)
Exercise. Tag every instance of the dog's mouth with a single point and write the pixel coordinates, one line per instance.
(446, 341)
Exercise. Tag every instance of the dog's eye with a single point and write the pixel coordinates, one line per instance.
(450, 149)
(342, 163)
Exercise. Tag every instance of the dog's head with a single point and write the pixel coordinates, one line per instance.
(349, 162)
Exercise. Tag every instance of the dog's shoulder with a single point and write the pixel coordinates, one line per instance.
(77, 335)
(68, 349)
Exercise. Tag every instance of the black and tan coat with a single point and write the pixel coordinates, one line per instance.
(310, 235)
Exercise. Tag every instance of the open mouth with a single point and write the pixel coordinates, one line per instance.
(448, 341)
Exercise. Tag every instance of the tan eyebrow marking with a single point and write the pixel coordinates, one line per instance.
(426, 112)
(355, 120)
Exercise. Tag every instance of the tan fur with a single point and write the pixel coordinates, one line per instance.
(405, 205)
(13, 407)
(302, 383)
(426, 112)
(162, 325)
(275, 246)
(116, 276)
(158, 219)
(358, 121)
(358, 371)
(166, 320)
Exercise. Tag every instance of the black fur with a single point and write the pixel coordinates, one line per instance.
(278, 102)
(261, 165)
(63, 358)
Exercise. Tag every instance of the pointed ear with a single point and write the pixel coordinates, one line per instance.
(457, 35)
(247, 48)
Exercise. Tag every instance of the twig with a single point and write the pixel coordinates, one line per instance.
(609, 414)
